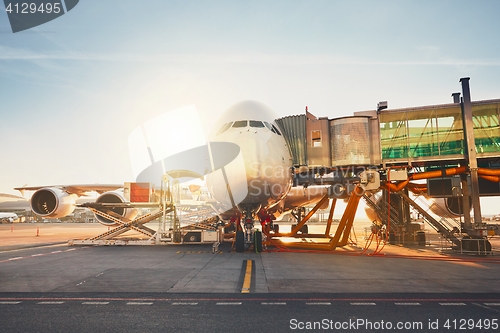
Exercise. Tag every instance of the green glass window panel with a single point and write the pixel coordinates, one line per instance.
(421, 133)
(486, 128)
(394, 138)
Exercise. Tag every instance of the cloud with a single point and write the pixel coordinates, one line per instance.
(17, 54)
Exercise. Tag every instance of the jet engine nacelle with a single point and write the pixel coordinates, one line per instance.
(299, 197)
(451, 206)
(115, 197)
(52, 202)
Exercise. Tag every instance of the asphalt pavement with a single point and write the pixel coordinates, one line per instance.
(173, 288)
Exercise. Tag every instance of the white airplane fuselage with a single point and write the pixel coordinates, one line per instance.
(260, 176)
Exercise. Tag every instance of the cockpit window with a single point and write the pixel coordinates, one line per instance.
(240, 123)
(272, 128)
(224, 128)
(255, 123)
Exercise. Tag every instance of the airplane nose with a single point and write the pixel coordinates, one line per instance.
(265, 173)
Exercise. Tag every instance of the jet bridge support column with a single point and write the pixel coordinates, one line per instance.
(471, 157)
(341, 236)
(465, 202)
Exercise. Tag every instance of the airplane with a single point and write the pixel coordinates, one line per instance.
(10, 201)
(8, 217)
(246, 164)
(264, 179)
(9, 204)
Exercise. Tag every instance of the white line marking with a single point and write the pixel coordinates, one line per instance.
(69, 250)
(95, 303)
(407, 303)
(319, 303)
(228, 303)
(37, 255)
(56, 252)
(139, 303)
(185, 303)
(273, 303)
(451, 304)
(492, 304)
(9, 302)
(366, 303)
(16, 258)
(51, 302)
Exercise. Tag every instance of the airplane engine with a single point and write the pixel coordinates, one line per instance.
(325, 205)
(52, 202)
(371, 214)
(300, 197)
(451, 206)
(115, 197)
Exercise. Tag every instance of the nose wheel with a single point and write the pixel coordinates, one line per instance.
(248, 241)
(249, 238)
(239, 243)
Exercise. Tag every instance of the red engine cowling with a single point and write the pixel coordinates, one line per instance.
(52, 202)
(115, 197)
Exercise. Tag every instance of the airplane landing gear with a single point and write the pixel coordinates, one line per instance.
(248, 238)
(239, 243)
(257, 235)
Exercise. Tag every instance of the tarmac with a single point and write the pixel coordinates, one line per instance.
(25, 235)
(37, 258)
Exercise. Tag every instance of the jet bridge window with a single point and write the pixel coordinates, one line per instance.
(255, 123)
(240, 123)
(316, 139)
(224, 128)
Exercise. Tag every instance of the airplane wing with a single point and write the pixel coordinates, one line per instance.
(75, 189)
(7, 197)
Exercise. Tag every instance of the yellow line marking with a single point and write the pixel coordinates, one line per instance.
(248, 278)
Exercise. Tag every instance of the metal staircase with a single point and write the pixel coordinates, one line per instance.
(442, 226)
(447, 227)
(136, 225)
(381, 211)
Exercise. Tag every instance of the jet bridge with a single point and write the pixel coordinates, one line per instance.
(326, 144)
(387, 148)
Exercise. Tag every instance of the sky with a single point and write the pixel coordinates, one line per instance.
(73, 89)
